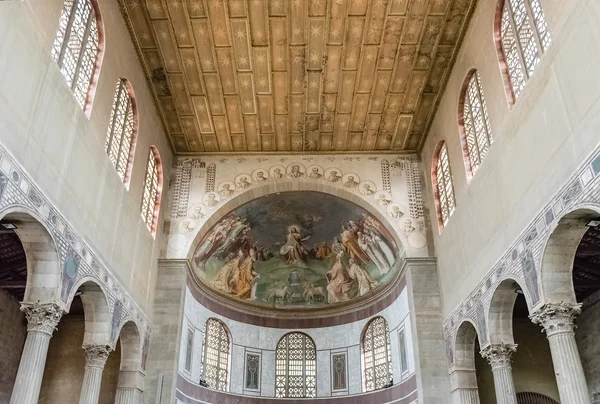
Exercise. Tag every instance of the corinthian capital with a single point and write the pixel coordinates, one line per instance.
(557, 317)
(499, 356)
(96, 355)
(42, 317)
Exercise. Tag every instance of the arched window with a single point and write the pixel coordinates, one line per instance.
(122, 128)
(296, 366)
(521, 37)
(474, 123)
(377, 354)
(78, 48)
(442, 184)
(152, 191)
(215, 355)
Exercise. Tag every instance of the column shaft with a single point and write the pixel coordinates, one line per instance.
(465, 396)
(90, 390)
(41, 323)
(572, 386)
(128, 396)
(499, 357)
(503, 383)
(95, 359)
(31, 369)
(558, 320)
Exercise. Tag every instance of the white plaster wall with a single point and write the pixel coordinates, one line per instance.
(327, 340)
(63, 150)
(538, 143)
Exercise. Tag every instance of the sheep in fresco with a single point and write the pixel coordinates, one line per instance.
(277, 294)
(314, 293)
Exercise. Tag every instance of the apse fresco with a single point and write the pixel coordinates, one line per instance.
(296, 249)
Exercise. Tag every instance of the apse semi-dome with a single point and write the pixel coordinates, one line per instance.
(297, 250)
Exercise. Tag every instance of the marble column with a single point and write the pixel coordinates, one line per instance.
(558, 322)
(95, 359)
(130, 387)
(463, 385)
(42, 320)
(499, 357)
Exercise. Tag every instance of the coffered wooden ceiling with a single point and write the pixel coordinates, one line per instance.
(297, 75)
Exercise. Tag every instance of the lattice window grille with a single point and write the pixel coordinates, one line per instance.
(120, 130)
(525, 37)
(476, 123)
(211, 171)
(296, 367)
(385, 175)
(76, 46)
(215, 355)
(445, 187)
(150, 195)
(377, 354)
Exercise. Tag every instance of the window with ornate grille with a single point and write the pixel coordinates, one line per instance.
(77, 45)
(524, 37)
(296, 366)
(151, 194)
(475, 129)
(444, 188)
(120, 133)
(215, 355)
(377, 355)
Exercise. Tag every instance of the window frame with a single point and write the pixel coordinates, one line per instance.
(156, 208)
(436, 186)
(542, 44)
(305, 367)
(373, 351)
(124, 91)
(470, 168)
(58, 55)
(205, 346)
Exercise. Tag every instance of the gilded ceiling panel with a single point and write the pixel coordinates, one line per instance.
(297, 75)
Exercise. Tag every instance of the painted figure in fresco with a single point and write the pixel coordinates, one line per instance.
(293, 250)
(366, 283)
(383, 201)
(277, 173)
(408, 226)
(374, 253)
(260, 176)
(244, 182)
(212, 242)
(247, 277)
(350, 242)
(315, 174)
(338, 281)
(337, 246)
(366, 190)
(235, 231)
(226, 191)
(296, 173)
(384, 248)
(334, 176)
(375, 228)
(322, 251)
(351, 183)
(211, 200)
(396, 212)
(225, 278)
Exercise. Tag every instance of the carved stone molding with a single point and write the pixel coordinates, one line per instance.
(96, 355)
(42, 317)
(499, 356)
(557, 317)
